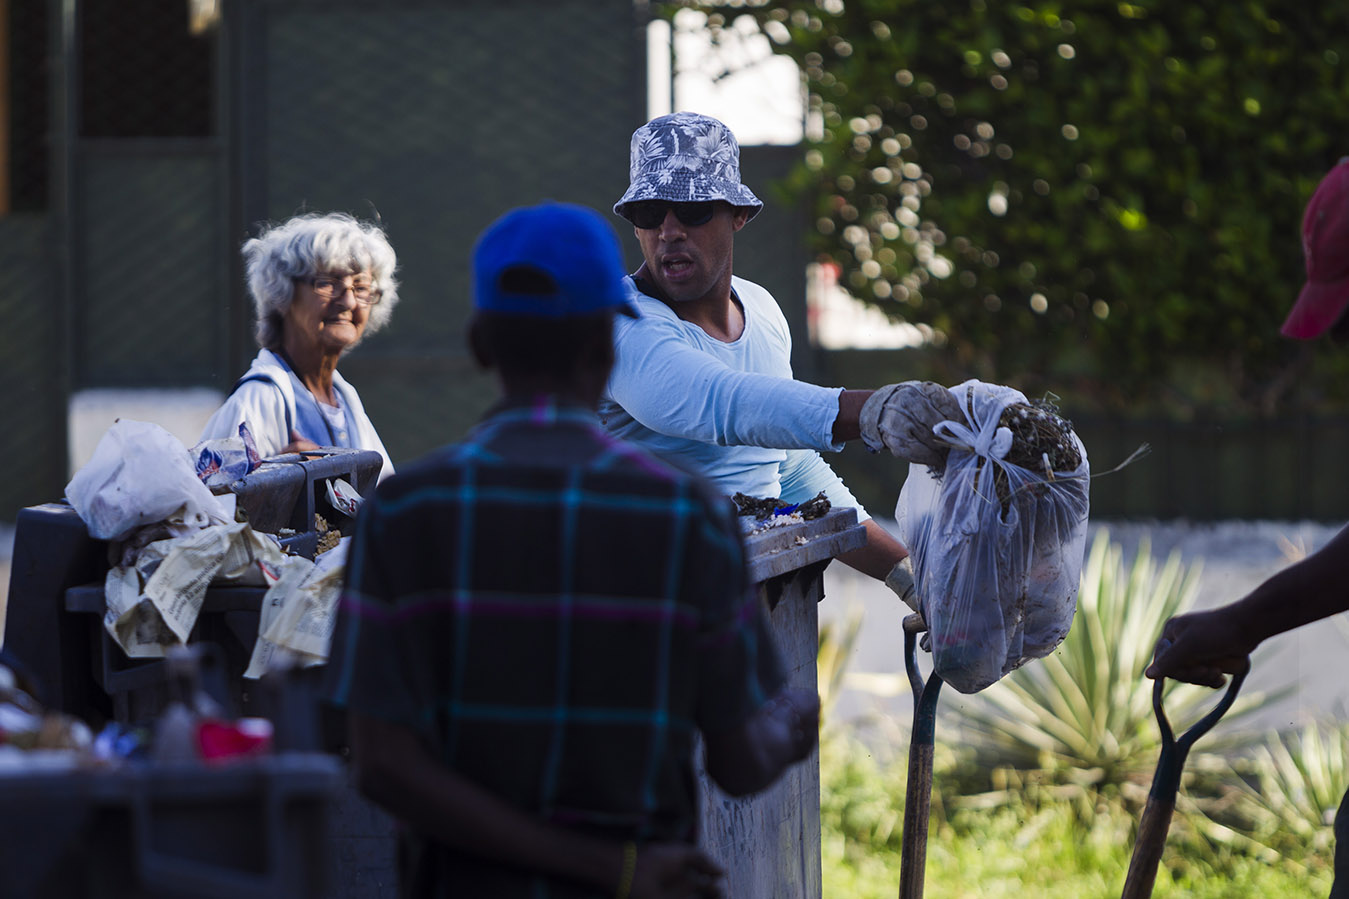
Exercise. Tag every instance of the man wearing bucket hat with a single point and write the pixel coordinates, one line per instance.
(703, 378)
(1202, 647)
(538, 621)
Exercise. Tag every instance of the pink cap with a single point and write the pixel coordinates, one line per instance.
(1325, 243)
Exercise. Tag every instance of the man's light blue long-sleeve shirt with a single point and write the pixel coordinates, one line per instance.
(731, 411)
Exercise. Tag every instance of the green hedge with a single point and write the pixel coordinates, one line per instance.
(1101, 199)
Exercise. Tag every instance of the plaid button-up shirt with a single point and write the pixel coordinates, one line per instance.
(555, 613)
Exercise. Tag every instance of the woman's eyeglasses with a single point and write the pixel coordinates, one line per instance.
(650, 214)
(329, 287)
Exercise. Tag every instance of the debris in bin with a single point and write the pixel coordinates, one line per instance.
(169, 535)
(154, 597)
(171, 539)
(328, 536)
(759, 514)
(29, 732)
(140, 474)
(761, 509)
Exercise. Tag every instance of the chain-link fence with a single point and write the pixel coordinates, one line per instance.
(24, 96)
(32, 437)
(437, 118)
(146, 139)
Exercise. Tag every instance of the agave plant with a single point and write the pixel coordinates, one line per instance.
(1299, 778)
(1084, 714)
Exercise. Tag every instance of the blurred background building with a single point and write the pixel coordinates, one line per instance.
(141, 141)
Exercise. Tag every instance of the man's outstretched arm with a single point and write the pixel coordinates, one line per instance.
(747, 758)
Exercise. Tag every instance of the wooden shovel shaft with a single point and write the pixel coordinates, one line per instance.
(918, 793)
(1148, 848)
(917, 808)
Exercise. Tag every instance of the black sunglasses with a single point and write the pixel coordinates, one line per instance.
(651, 213)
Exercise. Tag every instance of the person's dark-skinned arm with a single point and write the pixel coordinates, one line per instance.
(850, 403)
(395, 770)
(1202, 647)
(747, 758)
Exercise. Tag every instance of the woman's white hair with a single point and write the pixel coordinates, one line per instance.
(314, 244)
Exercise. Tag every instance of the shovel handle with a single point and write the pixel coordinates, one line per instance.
(1203, 725)
(1161, 803)
(918, 792)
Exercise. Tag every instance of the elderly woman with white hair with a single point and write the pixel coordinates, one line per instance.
(319, 283)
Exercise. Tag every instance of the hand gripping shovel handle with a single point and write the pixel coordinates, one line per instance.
(918, 793)
(1165, 783)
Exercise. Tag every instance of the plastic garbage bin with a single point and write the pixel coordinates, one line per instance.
(56, 601)
(258, 829)
(55, 630)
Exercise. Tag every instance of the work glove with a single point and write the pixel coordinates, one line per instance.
(900, 418)
(900, 580)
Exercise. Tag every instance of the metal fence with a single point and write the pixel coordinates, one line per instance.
(135, 176)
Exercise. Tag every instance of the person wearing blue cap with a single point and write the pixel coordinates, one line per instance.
(703, 377)
(1204, 647)
(539, 620)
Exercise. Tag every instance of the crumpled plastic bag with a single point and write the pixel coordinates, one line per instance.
(141, 474)
(224, 460)
(997, 563)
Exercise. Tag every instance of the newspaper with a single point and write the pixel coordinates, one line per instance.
(153, 603)
(296, 625)
(156, 593)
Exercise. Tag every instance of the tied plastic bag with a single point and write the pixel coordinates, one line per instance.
(140, 474)
(997, 546)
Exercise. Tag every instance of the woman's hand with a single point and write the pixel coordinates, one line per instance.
(298, 444)
(675, 871)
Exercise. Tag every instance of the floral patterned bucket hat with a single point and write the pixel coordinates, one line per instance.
(686, 158)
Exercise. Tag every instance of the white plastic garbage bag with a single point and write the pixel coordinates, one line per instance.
(140, 474)
(997, 547)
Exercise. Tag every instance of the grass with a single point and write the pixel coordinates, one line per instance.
(1038, 790)
(1018, 849)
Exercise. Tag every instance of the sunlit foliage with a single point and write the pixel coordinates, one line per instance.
(1098, 198)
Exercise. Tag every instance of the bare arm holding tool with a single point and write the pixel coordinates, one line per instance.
(1203, 647)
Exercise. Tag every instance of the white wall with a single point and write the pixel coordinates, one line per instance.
(183, 413)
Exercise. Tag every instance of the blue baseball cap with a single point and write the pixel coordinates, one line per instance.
(553, 260)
